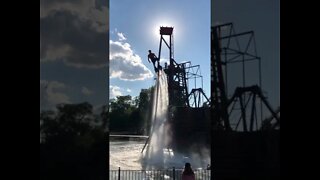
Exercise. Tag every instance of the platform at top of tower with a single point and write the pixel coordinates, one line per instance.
(166, 30)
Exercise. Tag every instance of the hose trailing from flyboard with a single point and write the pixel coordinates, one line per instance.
(156, 107)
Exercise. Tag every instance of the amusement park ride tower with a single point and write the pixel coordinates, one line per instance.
(188, 110)
(244, 145)
(179, 75)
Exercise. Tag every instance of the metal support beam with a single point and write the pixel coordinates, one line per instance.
(236, 35)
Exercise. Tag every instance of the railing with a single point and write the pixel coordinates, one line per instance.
(168, 174)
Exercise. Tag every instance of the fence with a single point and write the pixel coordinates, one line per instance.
(168, 174)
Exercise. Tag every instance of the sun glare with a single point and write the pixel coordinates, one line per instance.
(156, 28)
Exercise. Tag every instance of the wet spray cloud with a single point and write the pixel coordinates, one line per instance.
(159, 154)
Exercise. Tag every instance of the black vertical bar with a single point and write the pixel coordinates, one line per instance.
(243, 74)
(170, 53)
(226, 72)
(253, 111)
(174, 174)
(260, 84)
(159, 54)
(199, 99)
(119, 174)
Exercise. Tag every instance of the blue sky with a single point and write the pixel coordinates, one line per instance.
(134, 29)
(74, 44)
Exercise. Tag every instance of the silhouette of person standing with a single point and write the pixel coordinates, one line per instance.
(188, 173)
(153, 58)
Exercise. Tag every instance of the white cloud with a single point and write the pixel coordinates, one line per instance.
(86, 91)
(115, 91)
(80, 44)
(118, 91)
(125, 64)
(184, 61)
(121, 36)
(90, 10)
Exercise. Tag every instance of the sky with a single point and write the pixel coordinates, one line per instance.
(75, 39)
(263, 17)
(134, 29)
(73, 52)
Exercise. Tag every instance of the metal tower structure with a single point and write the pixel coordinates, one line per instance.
(253, 92)
(177, 82)
(188, 111)
(231, 48)
(218, 92)
(241, 139)
(179, 75)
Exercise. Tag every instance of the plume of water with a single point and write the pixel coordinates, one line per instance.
(158, 154)
(159, 138)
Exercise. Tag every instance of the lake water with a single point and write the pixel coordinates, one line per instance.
(127, 155)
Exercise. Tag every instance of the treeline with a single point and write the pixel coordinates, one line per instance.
(73, 142)
(131, 115)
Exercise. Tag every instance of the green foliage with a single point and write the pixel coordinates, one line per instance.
(70, 121)
(131, 115)
(73, 144)
(145, 108)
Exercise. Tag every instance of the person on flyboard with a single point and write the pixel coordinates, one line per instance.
(154, 59)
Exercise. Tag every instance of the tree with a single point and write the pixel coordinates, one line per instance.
(145, 105)
(121, 103)
(131, 115)
(120, 111)
(73, 147)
